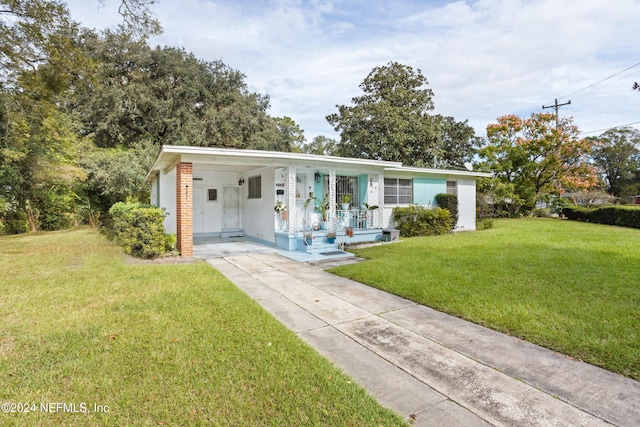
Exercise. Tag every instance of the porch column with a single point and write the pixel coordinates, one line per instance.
(291, 201)
(184, 208)
(332, 195)
(380, 200)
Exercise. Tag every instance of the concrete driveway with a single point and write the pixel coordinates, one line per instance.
(435, 369)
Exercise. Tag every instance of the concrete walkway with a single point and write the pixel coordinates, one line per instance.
(434, 369)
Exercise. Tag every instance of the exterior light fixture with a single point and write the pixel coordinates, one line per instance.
(317, 177)
(241, 181)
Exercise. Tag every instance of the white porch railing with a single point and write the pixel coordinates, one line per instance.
(358, 218)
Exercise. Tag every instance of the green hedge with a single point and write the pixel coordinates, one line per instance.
(450, 203)
(139, 229)
(623, 216)
(419, 221)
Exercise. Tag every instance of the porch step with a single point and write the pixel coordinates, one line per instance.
(232, 232)
(319, 246)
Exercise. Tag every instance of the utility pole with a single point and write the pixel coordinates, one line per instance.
(556, 106)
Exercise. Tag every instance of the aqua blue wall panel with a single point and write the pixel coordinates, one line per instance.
(426, 189)
(363, 185)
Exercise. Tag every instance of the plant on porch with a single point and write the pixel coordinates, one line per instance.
(321, 206)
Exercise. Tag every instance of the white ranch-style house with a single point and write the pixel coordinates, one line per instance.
(228, 192)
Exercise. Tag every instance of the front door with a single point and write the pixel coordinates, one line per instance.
(231, 208)
(198, 209)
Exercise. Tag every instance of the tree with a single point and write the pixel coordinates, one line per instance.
(390, 121)
(138, 17)
(321, 145)
(290, 137)
(165, 95)
(616, 154)
(457, 142)
(532, 158)
(41, 59)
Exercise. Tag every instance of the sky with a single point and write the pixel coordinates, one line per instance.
(483, 59)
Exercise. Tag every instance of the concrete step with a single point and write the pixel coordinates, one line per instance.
(232, 232)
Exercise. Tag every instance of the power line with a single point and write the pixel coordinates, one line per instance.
(598, 82)
(613, 127)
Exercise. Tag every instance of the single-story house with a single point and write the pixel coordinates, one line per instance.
(229, 192)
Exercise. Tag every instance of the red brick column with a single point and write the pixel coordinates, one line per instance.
(184, 208)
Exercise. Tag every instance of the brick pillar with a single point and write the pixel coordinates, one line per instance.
(184, 208)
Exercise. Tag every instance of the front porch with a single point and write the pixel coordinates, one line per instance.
(307, 233)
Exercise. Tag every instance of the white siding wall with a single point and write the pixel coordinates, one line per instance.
(168, 200)
(257, 215)
(466, 204)
(212, 210)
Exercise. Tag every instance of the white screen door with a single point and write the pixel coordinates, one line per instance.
(231, 208)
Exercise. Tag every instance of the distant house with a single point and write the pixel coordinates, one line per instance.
(229, 192)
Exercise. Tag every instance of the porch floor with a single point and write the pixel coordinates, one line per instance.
(220, 247)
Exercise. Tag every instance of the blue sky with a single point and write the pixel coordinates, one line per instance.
(483, 59)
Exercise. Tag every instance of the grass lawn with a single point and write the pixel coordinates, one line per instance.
(569, 286)
(152, 345)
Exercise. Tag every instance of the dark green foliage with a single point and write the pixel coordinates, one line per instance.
(617, 157)
(15, 223)
(391, 121)
(450, 203)
(139, 229)
(419, 221)
(623, 216)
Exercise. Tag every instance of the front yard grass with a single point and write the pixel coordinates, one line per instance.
(122, 344)
(569, 286)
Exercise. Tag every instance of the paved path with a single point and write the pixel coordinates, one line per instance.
(435, 369)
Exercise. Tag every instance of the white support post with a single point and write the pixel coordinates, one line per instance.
(380, 199)
(291, 201)
(332, 194)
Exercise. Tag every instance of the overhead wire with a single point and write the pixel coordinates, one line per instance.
(613, 127)
(593, 85)
(600, 81)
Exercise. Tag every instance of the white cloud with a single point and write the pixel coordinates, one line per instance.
(482, 58)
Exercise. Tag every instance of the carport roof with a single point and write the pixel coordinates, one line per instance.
(171, 155)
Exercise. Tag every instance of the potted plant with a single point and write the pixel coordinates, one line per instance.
(369, 210)
(281, 209)
(308, 239)
(331, 237)
(345, 200)
(321, 206)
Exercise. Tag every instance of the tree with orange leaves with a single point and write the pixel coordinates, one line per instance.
(534, 158)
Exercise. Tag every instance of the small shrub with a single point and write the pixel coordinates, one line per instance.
(539, 213)
(485, 224)
(139, 229)
(558, 204)
(419, 221)
(16, 223)
(450, 203)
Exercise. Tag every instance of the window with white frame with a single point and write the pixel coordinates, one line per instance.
(255, 187)
(398, 191)
(452, 187)
(345, 185)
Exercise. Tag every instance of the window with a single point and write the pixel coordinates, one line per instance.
(213, 194)
(398, 191)
(344, 185)
(255, 187)
(452, 187)
(347, 186)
